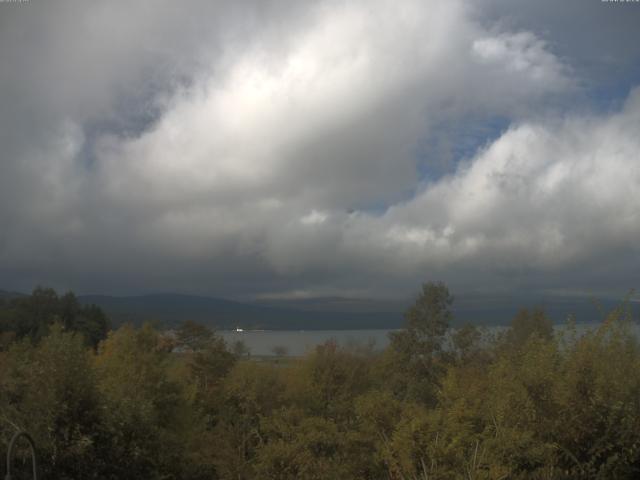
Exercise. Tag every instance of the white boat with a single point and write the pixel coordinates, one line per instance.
(239, 330)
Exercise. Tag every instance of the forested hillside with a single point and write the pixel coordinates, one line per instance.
(436, 404)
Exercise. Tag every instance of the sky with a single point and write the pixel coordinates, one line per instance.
(285, 149)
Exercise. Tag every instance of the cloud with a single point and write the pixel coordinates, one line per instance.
(597, 38)
(543, 198)
(522, 53)
(269, 147)
(331, 118)
(336, 112)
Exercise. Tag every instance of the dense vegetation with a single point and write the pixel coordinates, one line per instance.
(33, 316)
(436, 404)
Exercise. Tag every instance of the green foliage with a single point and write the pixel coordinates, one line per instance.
(302, 447)
(430, 316)
(33, 316)
(466, 343)
(599, 404)
(416, 351)
(251, 392)
(548, 409)
(143, 407)
(436, 404)
(207, 360)
(334, 378)
(193, 337)
(50, 391)
(527, 323)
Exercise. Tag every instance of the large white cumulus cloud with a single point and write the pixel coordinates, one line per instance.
(544, 196)
(330, 119)
(334, 114)
(259, 148)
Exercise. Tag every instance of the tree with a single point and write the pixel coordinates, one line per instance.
(430, 316)
(302, 447)
(334, 377)
(193, 336)
(240, 349)
(280, 350)
(210, 365)
(32, 316)
(36, 313)
(206, 357)
(413, 359)
(145, 410)
(251, 391)
(49, 390)
(527, 323)
(466, 340)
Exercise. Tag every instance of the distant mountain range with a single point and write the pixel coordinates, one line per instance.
(332, 313)
(5, 295)
(485, 309)
(335, 312)
(171, 309)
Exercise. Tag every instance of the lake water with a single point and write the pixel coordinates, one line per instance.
(299, 342)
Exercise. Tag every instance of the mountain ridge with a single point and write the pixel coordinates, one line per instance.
(331, 313)
(339, 313)
(170, 309)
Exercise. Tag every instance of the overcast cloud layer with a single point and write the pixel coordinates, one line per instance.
(336, 147)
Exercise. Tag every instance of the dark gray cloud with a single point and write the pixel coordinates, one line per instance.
(273, 147)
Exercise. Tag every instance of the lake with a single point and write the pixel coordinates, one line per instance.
(299, 342)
